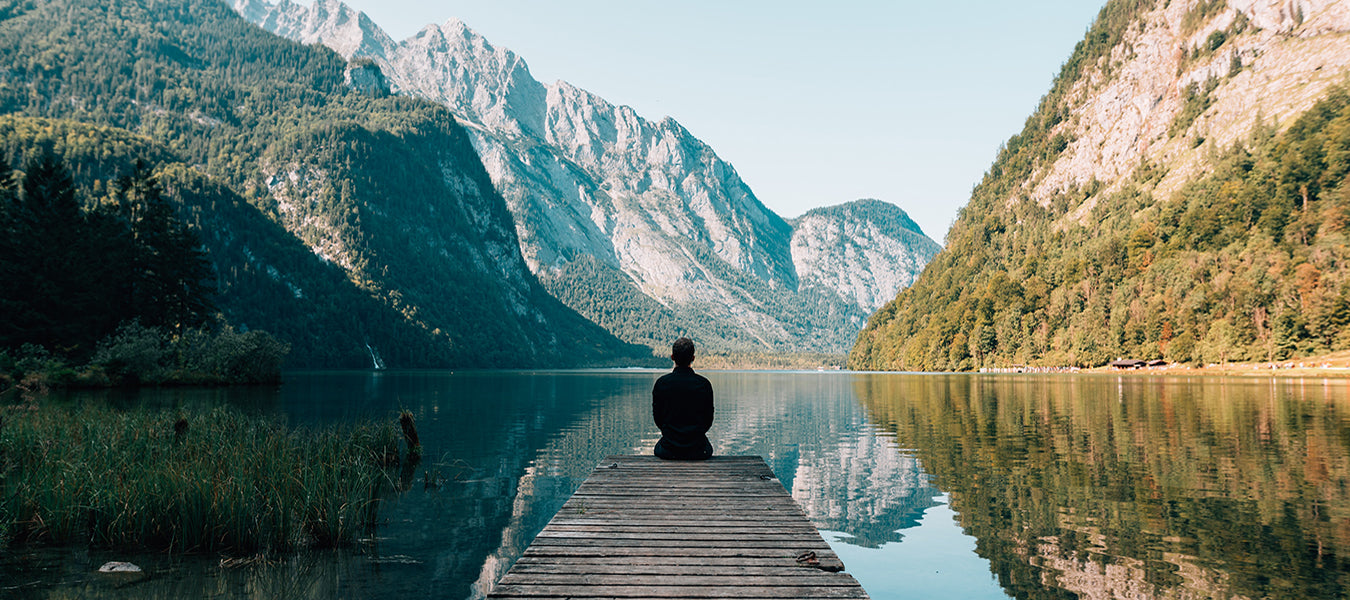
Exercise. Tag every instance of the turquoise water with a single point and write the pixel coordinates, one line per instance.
(927, 486)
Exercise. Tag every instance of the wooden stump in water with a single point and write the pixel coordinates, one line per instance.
(405, 421)
(180, 428)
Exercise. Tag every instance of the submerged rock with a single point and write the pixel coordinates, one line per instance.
(118, 567)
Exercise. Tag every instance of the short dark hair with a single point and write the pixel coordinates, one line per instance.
(682, 352)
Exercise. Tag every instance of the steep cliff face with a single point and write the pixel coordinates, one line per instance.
(1179, 193)
(605, 199)
(1258, 58)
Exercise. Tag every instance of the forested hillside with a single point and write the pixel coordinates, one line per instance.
(356, 226)
(1204, 251)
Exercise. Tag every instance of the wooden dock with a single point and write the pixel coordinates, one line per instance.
(641, 527)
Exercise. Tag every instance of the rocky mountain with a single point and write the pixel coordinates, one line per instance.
(636, 224)
(860, 250)
(360, 228)
(1180, 193)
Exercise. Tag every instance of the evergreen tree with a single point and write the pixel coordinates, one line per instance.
(169, 275)
(46, 224)
(9, 261)
(73, 277)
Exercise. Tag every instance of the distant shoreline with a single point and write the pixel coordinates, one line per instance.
(1280, 369)
(1335, 365)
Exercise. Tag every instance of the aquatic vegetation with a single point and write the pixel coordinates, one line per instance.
(186, 481)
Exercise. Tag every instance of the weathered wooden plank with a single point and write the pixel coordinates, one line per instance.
(795, 544)
(591, 515)
(600, 563)
(691, 533)
(648, 502)
(726, 477)
(728, 510)
(629, 488)
(619, 515)
(817, 579)
(749, 557)
(800, 596)
(638, 461)
(660, 499)
(677, 539)
(683, 511)
(736, 528)
(657, 551)
(640, 527)
(640, 590)
(572, 566)
(658, 597)
(826, 559)
(672, 473)
(641, 502)
(655, 499)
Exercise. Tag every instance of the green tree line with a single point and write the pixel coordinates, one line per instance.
(116, 282)
(73, 275)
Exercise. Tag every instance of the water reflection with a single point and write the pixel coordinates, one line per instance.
(807, 426)
(507, 450)
(1062, 486)
(1102, 487)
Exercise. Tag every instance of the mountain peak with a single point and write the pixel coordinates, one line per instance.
(347, 31)
(893, 217)
(453, 24)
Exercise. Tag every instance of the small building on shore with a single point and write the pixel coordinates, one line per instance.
(1128, 363)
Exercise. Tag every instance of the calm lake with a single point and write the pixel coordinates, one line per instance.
(927, 486)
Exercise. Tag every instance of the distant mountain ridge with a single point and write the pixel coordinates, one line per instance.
(643, 212)
(859, 249)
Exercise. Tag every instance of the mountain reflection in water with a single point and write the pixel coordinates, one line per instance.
(1071, 486)
(1104, 487)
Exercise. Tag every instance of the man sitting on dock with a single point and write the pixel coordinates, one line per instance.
(682, 406)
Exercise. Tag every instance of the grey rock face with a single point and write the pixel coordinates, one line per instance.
(364, 76)
(645, 201)
(1276, 59)
(865, 251)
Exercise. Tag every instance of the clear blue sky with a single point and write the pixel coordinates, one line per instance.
(813, 103)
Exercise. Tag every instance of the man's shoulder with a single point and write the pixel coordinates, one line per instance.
(682, 376)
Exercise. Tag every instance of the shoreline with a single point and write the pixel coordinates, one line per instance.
(1335, 365)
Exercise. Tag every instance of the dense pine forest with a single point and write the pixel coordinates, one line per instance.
(122, 285)
(72, 274)
(336, 219)
(1245, 263)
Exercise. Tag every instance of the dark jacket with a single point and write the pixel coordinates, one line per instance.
(682, 406)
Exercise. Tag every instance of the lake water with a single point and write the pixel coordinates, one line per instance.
(927, 486)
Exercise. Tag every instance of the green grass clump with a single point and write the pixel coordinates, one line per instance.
(200, 481)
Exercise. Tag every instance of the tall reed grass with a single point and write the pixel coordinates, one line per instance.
(200, 481)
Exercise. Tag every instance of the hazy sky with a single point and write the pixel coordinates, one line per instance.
(813, 103)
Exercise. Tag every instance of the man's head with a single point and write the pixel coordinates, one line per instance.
(682, 352)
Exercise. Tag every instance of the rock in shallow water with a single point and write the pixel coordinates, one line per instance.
(118, 567)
